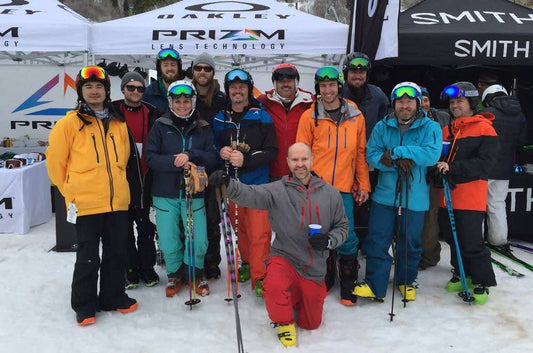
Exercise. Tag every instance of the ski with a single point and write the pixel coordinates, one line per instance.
(505, 268)
(507, 253)
(522, 247)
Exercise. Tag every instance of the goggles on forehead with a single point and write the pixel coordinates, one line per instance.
(456, 92)
(238, 74)
(182, 90)
(408, 91)
(94, 72)
(358, 63)
(168, 54)
(327, 73)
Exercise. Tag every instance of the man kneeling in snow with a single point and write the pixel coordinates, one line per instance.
(297, 263)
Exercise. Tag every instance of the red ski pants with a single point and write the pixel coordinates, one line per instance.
(254, 236)
(284, 290)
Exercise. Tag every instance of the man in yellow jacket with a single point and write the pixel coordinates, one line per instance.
(86, 160)
(335, 129)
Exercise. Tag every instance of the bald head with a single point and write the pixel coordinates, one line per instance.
(300, 161)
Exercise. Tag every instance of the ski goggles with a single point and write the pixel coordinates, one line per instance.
(182, 90)
(284, 72)
(456, 92)
(408, 91)
(93, 72)
(358, 64)
(168, 54)
(13, 163)
(132, 88)
(328, 73)
(238, 75)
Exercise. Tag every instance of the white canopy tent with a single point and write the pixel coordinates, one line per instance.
(257, 28)
(42, 26)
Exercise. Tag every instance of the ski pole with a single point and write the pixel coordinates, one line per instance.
(399, 189)
(447, 195)
(189, 214)
(406, 233)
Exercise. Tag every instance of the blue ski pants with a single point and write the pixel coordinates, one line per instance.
(349, 247)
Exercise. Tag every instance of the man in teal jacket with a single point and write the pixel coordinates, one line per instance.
(401, 147)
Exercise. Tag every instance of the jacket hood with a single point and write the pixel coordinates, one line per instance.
(509, 105)
(315, 181)
(390, 120)
(348, 110)
(303, 96)
(484, 118)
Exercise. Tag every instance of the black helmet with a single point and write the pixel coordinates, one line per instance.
(462, 89)
(90, 74)
(165, 54)
(239, 75)
(356, 60)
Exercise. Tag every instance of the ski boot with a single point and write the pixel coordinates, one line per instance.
(408, 295)
(212, 271)
(454, 285)
(286, 334)
(201, 287)
(480, 294)
(348, 269)
(132, 279)
(259, 288)
(150, 277)
(244, 272)
(85, 319)
(363, 290)
(173, 286)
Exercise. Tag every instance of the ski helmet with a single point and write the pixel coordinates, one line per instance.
(492, 92)
(93, 74)
(182, 88)
(239, 75)
(165, 54)
(285, 70)
(409, 89)
(328, 73)
(356, 60)
(462, 89)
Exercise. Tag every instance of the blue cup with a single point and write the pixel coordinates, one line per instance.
(314, 229)
(445, 149)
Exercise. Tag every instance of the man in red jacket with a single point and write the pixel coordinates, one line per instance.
(285, 104)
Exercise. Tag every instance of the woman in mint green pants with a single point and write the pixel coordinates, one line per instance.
(179, 140)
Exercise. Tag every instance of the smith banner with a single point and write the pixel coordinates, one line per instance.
(374, 28)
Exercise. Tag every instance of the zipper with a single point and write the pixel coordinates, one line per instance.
(108, 166)
(138, 164)
(336, 153)
(95, 149)
(329, 136)
(114, 147)
(345, 137)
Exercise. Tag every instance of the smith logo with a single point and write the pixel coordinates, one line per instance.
(223, 34)
(13, 30)
(7, 202)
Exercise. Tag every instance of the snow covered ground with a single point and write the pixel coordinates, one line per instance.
(35, 314)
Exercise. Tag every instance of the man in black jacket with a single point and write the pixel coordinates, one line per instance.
(139, 118)
(510, 125)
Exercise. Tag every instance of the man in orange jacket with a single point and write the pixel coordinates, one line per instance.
(335, 129)
(87, 158)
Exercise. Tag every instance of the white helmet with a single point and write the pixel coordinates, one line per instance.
(412, 91)
(490, 93)
(182, 88)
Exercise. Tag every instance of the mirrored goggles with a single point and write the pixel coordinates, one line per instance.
(358, 64)
(239, 75)
(456, 92)
(408, 91)
(168, 54)
(94, 72)
(327, 73)
(285, 72)
(181, 90)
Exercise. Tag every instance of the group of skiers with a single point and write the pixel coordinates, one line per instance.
(289, 158)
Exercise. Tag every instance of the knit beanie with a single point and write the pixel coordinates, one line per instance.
(130, 77)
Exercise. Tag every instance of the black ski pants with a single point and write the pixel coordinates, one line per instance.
(112, 229)
(475, 256)
(212, 256)
(141, 257)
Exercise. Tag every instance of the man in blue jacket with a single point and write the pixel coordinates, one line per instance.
(401, 147)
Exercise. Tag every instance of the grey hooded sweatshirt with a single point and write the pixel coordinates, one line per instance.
(291, 208)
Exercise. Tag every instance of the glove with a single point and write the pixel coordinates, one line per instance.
(386, 159)
(436, 179)
(319, 242)
(405, 164)
(197, 180)
(219, 178)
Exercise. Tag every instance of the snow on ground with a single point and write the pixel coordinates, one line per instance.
(35, 314)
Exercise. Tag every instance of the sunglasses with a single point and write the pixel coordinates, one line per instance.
(408, 91)
(455, 92)
(327, 73)
(358, 64)
(94, 72)
(237, 74)
(168, 54)
(182, 90)
(205, 68)
(13, 163)
(132, 88)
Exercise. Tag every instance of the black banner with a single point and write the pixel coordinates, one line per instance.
(366, 23)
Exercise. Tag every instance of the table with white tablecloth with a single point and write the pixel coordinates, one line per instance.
(25, 199)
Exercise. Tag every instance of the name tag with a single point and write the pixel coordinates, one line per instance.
(72, 213)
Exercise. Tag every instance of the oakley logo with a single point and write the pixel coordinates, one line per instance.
(16, 3)
(208, 7)
(7, 202)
